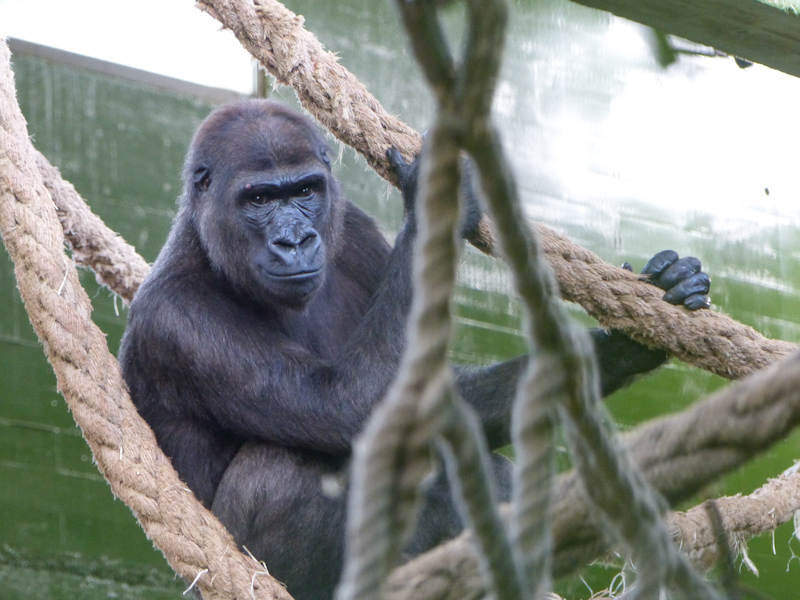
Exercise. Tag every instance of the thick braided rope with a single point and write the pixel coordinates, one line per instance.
(659, 563)
(115, 263)
(464, 87)
(628, 505)
(618, 299)
(743, 517)
(678, 455)
(124, 448)
(620, 496)
(421, 406)
(393, 454)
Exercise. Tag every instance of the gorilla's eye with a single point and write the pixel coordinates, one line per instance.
(258, 195)
(305, 191)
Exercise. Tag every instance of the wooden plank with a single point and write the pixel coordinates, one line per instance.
(765, 32)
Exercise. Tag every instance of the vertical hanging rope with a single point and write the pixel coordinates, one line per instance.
(392, 455)
(610, 479)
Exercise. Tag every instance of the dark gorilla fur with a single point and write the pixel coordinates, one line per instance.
(272, 322)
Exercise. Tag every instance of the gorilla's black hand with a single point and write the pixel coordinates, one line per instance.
(407, 175)
(682, 278)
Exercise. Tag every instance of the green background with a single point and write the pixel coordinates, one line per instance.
(561, 105)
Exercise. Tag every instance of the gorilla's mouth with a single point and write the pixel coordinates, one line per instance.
(297, 276)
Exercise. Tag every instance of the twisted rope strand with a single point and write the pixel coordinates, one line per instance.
(592, 446)
(744, 517)
(114, 262)
(123, 447)
(393, 454)
(466, 458)
(424, 382)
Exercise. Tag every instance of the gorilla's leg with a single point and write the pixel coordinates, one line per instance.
(439, 519)
(271, 499)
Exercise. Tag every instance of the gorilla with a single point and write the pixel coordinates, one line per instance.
(273, 321)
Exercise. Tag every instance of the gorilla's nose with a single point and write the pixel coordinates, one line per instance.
(296, 250)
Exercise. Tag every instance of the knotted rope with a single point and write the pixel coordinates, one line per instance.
(389, 460)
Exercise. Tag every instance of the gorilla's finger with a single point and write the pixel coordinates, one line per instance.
(699, 283)
(396, 159)
(697, 301)
(406, 175)
(627, 266)
(677, 272)
(656, 265)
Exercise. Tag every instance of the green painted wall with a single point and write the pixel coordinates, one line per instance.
(625, 157)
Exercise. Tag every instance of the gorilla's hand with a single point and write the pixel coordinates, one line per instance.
(407, 175)
(682, 279)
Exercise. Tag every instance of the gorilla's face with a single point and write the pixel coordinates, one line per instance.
(265, 203)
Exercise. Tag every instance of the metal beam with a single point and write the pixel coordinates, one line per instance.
(764, 32)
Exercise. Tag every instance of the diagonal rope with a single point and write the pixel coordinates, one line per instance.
(616, 298)
(196, 545)
(116, 263)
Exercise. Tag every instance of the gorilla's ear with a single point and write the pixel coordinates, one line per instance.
(201, 179)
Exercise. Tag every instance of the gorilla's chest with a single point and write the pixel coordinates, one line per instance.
(327, 329)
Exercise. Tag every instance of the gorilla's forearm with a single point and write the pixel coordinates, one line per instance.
(491, 390)
(620, 359)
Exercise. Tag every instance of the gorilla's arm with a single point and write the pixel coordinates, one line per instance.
(490, 390)
(620, 359)
(290, 396)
